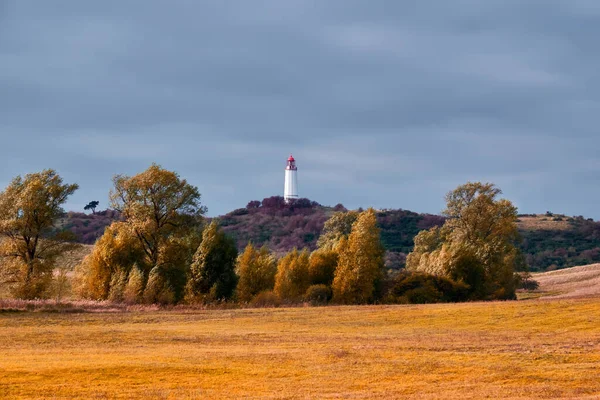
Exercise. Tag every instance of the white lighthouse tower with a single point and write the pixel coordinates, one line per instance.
(290, 190)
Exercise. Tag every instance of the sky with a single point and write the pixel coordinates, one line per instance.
(389, 104)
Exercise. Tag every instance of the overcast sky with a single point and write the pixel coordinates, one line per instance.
(388, 104)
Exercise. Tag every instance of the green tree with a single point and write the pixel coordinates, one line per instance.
(91, 206)
(256, 270)
(476, 245)
(336, 228)
(212, 273)
(29, 246)
(360, 267)
(292, 278)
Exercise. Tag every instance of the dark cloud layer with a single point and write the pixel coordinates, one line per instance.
(383, 103)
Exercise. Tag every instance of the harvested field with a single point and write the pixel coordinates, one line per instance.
(513, 350)
(570, 282)
(543, 223)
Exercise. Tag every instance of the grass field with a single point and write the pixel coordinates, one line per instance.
(525, 349)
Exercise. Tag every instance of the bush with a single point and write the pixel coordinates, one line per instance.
(318, 295)
(321, 267)
(418, 288)
(265, 299)
(527, 283)
(239, 211)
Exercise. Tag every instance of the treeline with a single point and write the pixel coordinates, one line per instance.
(161, 250)
(550, 241)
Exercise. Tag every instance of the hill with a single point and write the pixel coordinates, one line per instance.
(550, 241)
(283, 226)
(553, 241)
(87, 228)
(572, 282)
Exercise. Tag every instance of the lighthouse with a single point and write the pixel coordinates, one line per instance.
(290, 190)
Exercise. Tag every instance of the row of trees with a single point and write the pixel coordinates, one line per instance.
(161, 251)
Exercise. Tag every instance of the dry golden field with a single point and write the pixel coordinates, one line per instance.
(516, 350)
(543, 222)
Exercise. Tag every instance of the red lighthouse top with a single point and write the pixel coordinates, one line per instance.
(291, 163)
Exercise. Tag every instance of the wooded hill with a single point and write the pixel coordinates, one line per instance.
(550, 241)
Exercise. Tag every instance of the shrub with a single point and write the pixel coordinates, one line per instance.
(239, 211)
(321, 267)
(424, 288)
(317, 295)
(268, 298)
(253, 204)
(527, 283)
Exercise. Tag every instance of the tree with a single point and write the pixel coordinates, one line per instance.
(91, 206)
(256, 270)
(212, 273)
(115, 253)
(160, 233)
(29, 208)
(292, 279)
(476, 245)
(164, 214)
(360, 266)
(253, 204)
(337, 227)
(156, 204)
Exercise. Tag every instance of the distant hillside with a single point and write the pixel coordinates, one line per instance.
(550, 241)
(282, 227)
(87, 227)
(570, 282)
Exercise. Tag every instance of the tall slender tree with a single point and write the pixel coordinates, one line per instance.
(360, 266)
(212, 273)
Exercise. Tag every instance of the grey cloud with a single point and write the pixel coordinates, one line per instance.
(384, 103)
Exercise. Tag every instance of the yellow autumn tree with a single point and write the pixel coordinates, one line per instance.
(360, 265)
(29, 244)
(160, 231)
(256, 269)
(292, 278)
(476, 245)
(111, 259)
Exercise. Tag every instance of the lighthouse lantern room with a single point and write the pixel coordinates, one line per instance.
(290, 190)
